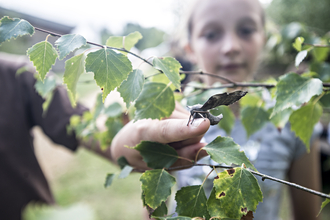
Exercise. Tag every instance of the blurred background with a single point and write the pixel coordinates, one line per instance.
(77, 179)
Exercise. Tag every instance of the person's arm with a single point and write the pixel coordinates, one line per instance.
(173, 131)
(305, 171)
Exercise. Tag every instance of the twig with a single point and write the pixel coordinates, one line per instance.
(208, 74)
(263, 177)
(98, 45)
(316, 45)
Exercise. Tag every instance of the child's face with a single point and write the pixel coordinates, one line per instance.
(227, 37)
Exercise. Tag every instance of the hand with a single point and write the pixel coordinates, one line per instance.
(173, 131)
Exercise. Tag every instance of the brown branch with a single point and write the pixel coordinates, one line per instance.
(316, 45)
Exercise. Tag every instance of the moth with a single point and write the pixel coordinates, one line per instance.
(202, 111)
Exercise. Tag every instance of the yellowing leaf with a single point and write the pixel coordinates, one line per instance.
(43, 55)
(238, 193)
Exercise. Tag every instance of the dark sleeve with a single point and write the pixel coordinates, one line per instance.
(57, 117)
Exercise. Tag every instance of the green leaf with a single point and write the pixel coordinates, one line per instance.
(293, 89)
(161, 210)
(113, 110)
(131, 88)
(157, 155)
(122, 162)
(215, 206)
(238, 191)
(173, 218)
(298, 42)
(225, 150)
(43, 55)
(110, 69)
(125, 172)
(300, 57)
(325, 100)
(108, 180)
(250, 99)
(44, 88)
(303, 121)
(228, 120)
(191, 201)
(324, 203)
(156, 186)
(253, 119)
(74, 67)
(281, 118)
(14, 27)
(126, 42)
(170, 68)
(156, 101)
(321, 53)
(68, 43)
(114, 125)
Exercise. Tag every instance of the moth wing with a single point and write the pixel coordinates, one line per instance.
(223, 99)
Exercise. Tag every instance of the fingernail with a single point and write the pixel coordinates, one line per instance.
(197, 122)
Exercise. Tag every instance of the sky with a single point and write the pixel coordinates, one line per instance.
(94, 15)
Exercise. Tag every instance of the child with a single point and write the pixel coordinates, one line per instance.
(226, 37)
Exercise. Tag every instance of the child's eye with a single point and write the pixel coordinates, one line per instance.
(246, 31)
(212, 35)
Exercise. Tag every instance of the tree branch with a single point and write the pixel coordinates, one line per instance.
(263, 177)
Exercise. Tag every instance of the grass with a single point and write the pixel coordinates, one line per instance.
(83, 183)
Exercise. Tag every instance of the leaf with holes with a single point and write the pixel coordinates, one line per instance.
(43, 55)
(225, 150)
(293, 89)
(156, 101)
(156, 186)
(74, 67)
(253, 119)
(238, 193)
(170, 68)
(110, 69)
(68, 43)
(303, 121)
(131, 88)
(191, 202)
(157, 155)
(126, 42)
(14, 27)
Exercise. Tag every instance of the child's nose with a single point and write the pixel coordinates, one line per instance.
(230, 45)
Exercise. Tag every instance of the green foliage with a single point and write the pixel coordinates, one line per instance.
(14, 27)
(156, 186)
(303, 121)
(238, 192)
(126, 42)
(324, 203)
(253, 118)
(157, 155)
(228, 120)
(191, 202)
(74, 67)
(43, 55)
(131, 88)
(293, 89)
(170, 67)
(110, 69)
(299, 100)
(155, 101)
(68, 43)
(225, 150)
